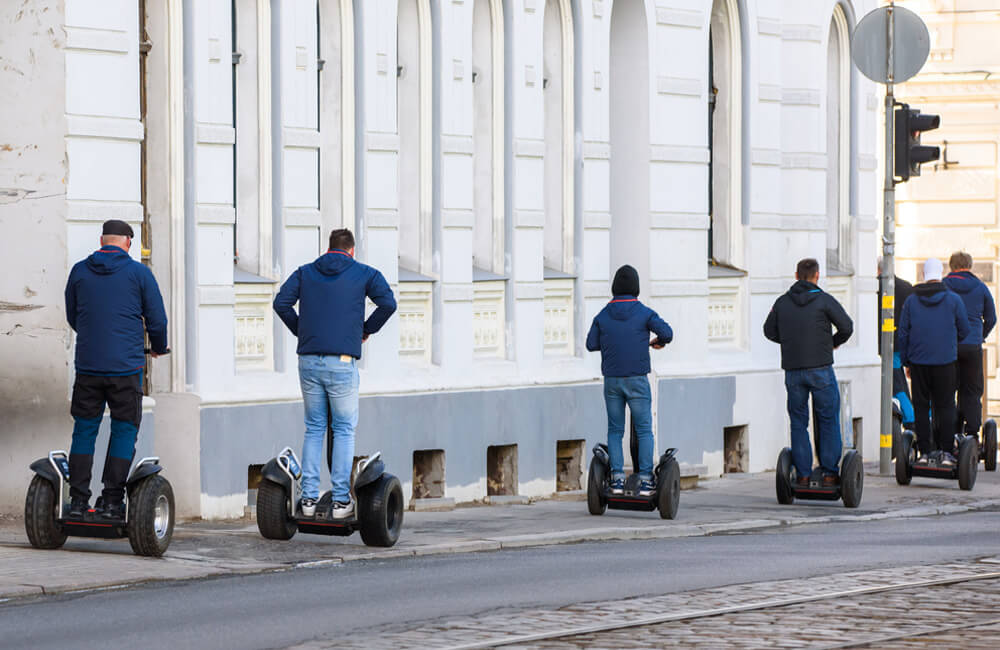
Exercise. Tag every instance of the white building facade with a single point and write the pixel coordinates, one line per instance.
(497, 160)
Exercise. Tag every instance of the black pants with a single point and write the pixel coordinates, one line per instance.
(123, 396)
(934, 386)
(970, 389)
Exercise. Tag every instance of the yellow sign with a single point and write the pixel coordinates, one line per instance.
(885, 441)
(887, 302)
(889, 325)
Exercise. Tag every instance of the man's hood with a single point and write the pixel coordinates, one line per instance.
(621, 307)
(931, 293)
(962, 281)
(804, 292)
(333, 262)
(108, 260)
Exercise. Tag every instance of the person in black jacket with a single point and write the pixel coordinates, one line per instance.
(800, 321)
(900, 387)
(111, 301)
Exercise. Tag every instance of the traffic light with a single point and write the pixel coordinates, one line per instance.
(909, 154)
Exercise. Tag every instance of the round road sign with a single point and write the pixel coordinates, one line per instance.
(870, 47)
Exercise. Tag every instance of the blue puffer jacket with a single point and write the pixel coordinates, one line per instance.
(979, 305)
(108, 297)
(932, 324)
(621, 332)
(331, 295)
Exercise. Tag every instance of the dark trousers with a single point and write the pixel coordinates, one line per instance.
(821, 384)
(970, 389)
(123, 396)
(934, 386)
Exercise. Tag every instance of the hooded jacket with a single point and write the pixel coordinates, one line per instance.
(331, 294)
(110, 300)
(800, 321)
(621, 332)
(932, 323)
(979, 307)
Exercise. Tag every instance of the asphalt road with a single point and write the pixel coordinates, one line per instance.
(280, 609)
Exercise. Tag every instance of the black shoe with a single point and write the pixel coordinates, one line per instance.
(113, 511)
(78, 508)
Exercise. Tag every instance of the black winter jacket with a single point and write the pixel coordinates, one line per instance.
(800, 321)
(903, 291)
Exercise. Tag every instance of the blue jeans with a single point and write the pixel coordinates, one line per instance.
(821, 383)
(634, 391)
(329, 389)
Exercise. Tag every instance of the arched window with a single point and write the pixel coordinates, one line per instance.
(487, 91)
(413, 120)
(557, 93)
(725, 241)
(838, 143)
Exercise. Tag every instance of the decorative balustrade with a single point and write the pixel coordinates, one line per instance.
(415, 320)
(558, 307)
(253, 327)
(488, 319)
(725, 311)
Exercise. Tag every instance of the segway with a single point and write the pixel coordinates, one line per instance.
(988, 452)
(667, 475)
(965, 471)
(849, 486)
(149, 508)
(378, 513)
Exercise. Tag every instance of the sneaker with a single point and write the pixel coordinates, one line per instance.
(947, 460)
(647, 487)
(78, 508)
(830, 480)
(308, 507)
(113, 510)
(617, 486)
(802, 481)
(342, 510)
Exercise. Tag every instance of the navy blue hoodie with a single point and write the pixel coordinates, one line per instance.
(978, 301)
(621, 332)
(932, 324)
(108, 297)
(331, 295)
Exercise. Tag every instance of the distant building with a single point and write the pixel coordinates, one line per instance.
(954, 203)
(498, 160)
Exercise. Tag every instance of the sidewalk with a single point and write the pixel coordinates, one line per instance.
(736, 503)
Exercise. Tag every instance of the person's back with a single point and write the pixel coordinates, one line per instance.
(977, 299)
(800, 322)
(622, 336)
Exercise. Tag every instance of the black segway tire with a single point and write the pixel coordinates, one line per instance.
(783, 478)
(274, 521)
(852, 479)
(904, 459)
(597, 478)
(150, 516)
(668, 490)
(380, 511)
(990, 445)
(40, 515)
(968, 462)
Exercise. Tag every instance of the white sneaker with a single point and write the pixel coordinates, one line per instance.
(308, 507)
(342, 510)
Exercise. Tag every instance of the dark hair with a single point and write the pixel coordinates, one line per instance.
(806, 268)
(341, 239)
(960, 260)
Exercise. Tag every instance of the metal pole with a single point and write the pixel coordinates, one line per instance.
(888, 266)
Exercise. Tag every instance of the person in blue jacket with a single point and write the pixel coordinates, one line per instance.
(621, 332)
(982, 313)
(932, 323)
(111, 302)
(331, 327)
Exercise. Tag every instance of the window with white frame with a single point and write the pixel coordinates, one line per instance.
(838, 144)
(725, 96)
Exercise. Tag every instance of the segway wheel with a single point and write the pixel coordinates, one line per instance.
(40, 515)
(968, 462)
(852, 479)
(380, 510)
(151, 516)
(904, 459)
(783, 478)
(274, 521)
(990, 445)
(597, 478)
(669, 490)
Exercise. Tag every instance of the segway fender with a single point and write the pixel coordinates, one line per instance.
(143, 471)
(273, 472)
(601, 454)
(665, 458)
(44, 468)
(371, 473)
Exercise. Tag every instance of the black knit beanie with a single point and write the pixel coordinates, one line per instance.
(626, 282)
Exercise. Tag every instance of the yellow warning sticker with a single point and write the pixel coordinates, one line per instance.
(887, 302)
(889, 325)
(885, 441)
